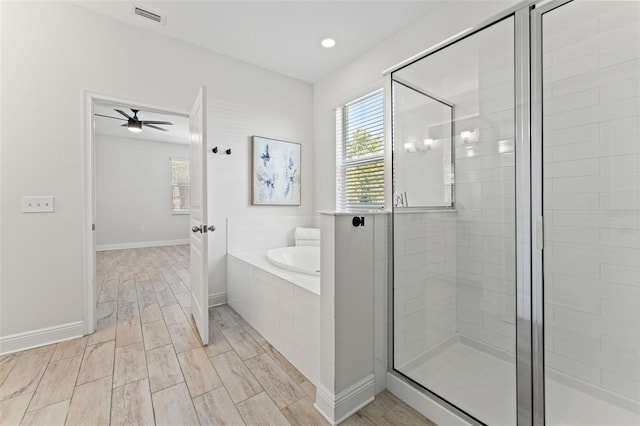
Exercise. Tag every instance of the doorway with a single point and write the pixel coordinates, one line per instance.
(142, 205)
(182, 263)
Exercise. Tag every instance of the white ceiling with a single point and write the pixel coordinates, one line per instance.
(283, 36)
(178, 133)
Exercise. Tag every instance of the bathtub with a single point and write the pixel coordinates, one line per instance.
(304, 259)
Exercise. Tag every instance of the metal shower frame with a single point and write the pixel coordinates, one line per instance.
(530, 378)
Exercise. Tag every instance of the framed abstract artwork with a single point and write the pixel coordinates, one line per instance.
(275, 172)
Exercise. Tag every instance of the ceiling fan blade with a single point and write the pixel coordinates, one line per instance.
(128, 117)
(124, 125)
(154, 127)
(108, 116)
(157, 122)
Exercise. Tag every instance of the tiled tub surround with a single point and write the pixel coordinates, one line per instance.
(284, 306)
(591, 170)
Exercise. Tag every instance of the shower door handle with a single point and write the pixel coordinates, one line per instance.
(540, 232)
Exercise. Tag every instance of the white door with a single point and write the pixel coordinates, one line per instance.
(199, 228)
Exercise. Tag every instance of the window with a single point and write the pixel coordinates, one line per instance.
(180, 186)
(360, 153)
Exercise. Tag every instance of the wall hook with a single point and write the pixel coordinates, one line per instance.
(228, 151)
(358, 221)
(215, 150)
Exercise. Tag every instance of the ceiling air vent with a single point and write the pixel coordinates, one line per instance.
(147, 14)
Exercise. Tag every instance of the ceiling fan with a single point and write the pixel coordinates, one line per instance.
(134, 124)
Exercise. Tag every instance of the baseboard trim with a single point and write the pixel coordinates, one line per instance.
(338, 408)
(217, 299)
(43, 336)
(142, 244)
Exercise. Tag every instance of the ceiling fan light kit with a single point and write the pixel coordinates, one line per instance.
(134, 124)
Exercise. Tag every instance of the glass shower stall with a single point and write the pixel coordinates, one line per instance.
(515, 296)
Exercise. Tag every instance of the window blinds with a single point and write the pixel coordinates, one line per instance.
(360, 153)
(180, 185)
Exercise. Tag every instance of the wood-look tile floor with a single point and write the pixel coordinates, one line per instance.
(145, 363)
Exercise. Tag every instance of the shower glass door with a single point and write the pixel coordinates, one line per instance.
(589, 81)
(454, 288)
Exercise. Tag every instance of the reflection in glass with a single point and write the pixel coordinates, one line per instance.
(422, 128)
(454, 269)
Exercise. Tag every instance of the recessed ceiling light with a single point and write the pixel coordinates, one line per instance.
(328, 42)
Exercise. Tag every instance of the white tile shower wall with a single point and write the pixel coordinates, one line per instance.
(591, 194)
(485, 201)
(287, 315)
(260, 233)
(424, 287)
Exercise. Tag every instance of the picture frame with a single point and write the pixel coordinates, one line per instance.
(275, 172)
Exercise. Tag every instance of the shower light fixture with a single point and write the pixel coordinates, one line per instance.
(504, 146)
(409, 147)
(427, 144)
(469, 136)
(470, 151)
(328, 42)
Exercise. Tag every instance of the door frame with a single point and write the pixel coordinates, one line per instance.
(88, 153)
(537, 212)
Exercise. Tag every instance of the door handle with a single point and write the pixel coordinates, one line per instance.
(211, 228)
(197, 229)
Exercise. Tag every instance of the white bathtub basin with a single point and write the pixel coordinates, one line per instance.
(304, 259)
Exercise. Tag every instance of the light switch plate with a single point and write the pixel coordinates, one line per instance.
(38, 204)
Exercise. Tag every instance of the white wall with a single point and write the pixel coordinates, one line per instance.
(246, 234)
(51, 53)
(133, 192)
(364, 75)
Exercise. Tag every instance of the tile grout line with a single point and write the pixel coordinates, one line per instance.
(36, 389)
(113, 366)
(264, 390)
(18, 356)
(146, 365)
